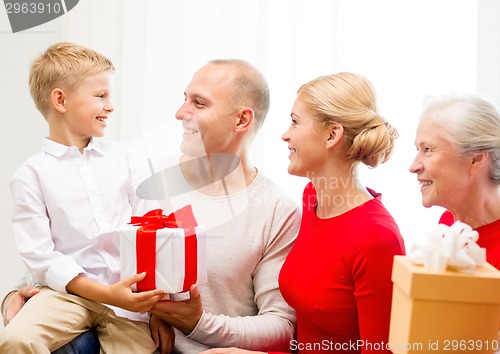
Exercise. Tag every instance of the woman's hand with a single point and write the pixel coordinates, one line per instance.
(163, 334)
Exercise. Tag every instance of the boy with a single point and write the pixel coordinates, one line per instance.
(70, 200)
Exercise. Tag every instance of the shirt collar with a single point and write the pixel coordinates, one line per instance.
(56, 149)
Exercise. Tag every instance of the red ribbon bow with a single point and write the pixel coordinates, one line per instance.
(146, 244)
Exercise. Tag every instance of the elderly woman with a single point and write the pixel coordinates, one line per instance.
(458, 164)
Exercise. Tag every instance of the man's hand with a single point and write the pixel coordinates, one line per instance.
(163, 334)
(183, 315)
(15, 300)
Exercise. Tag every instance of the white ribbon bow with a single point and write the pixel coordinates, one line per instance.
(450, 246)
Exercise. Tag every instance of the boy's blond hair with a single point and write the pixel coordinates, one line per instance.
(63, 65)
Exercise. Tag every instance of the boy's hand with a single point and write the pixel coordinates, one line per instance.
(15, 300)
(121, 295)
(183, 315)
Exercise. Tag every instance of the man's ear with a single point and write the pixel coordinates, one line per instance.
(245, 119)
(58, 100)
(336, 133)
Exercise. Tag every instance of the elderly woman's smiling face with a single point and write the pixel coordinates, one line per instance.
(443, 172)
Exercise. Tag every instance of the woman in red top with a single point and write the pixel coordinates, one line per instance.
(338, 274)
(458, 164)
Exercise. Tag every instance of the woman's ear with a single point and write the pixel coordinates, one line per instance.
(58, 100)
(479, 160)
(245, 119)
(335, 135)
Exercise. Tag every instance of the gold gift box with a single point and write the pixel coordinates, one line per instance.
(442, 312)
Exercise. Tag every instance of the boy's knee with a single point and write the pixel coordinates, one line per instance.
(15, 340)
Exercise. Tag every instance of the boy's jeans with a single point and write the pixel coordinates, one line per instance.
(85, 343)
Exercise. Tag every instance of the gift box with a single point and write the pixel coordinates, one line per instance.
(442, 311)
(170, 249)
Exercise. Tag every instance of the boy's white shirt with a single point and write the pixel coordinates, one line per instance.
(68, 208)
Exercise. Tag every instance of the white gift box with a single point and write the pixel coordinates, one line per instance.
(170, 257)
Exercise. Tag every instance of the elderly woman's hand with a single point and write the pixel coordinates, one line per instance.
(230, 351)
(163, 334)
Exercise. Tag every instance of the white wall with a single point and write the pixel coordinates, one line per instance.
(22, 126)
(408, 49)
(415, 49)
(488, 51)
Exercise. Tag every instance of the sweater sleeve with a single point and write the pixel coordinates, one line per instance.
(274, 325)
(372, 268)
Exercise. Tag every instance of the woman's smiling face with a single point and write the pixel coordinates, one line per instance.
(442, 170)
(305, 141)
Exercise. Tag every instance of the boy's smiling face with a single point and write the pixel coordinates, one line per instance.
(89, 105)
(85, 110)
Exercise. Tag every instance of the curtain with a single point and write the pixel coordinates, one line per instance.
(407, 49)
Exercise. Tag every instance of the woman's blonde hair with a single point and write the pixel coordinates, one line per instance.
(63, 65)
(348, 99)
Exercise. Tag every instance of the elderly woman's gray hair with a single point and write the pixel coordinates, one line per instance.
(469, 122)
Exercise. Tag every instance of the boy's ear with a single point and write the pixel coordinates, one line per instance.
(58, 100)
(245, 118)
(335, 135)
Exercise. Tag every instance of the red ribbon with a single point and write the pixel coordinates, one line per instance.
(146, 244)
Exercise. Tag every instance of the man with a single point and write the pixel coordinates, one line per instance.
(251, 224)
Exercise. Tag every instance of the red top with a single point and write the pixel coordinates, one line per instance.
(489, 237)
(338, 278)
